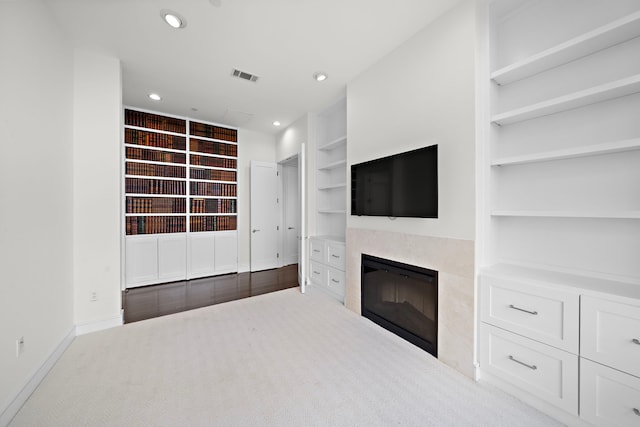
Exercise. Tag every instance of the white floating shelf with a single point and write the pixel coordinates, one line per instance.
(604, 92)
(156, 214)
(334, 144)
(333, 187)
(568, 214)
(333, 165)
(173, 196)
(332, 211)
(161, 178)
(150, 147)
(569, 153)
(600, 38)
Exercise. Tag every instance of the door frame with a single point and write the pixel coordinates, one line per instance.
(299, 157)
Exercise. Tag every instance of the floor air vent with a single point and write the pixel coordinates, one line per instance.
(244, 75)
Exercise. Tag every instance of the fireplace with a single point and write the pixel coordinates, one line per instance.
(403, 299)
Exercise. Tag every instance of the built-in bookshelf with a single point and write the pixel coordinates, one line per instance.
(180, 175)
(180, 198)
(560, 214)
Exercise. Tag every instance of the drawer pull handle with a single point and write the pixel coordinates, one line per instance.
(316, 272)
(636, 411)
(335, 281)
(316, 250)
(636, 341)
(535, 313)
(335, 256)
(534, 367)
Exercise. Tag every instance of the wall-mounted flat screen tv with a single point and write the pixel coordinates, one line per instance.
(402, 185)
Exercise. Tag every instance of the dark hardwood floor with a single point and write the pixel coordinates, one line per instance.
(157, 300)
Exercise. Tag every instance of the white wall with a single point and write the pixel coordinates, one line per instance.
(97, 187)
(36, 190)
(251, 146)
(423, 93)
(288, 141)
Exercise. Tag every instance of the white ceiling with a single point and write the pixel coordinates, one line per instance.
(282, 41)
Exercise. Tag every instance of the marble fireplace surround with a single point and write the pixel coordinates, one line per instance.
(454, 261)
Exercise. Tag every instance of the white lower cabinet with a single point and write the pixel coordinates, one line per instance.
(201, 255)
(226, 256)
(327, 265)
(170, 257)
(155, 259)
(548, 373)
(529, 340)
(611, 334)
(608, 397)
(141, 260)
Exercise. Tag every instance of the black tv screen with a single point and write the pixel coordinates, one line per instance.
(402, 185)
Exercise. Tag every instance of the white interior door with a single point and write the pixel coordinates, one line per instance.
(302, 232)
(291, 212)
(264, 215)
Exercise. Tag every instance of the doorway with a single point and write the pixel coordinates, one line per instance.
(290, 211)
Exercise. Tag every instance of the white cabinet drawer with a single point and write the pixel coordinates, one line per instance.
(610, 334)
(335, 281)
(608, 397)
(335, 255)
(546, 372)
(318, 273)
(317, 250)
(540, 313)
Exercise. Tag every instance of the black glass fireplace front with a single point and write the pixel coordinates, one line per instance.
(403, 299)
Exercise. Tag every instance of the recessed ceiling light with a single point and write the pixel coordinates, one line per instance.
(276, 123)
(320, 76)
(155, 96)
(173, 19)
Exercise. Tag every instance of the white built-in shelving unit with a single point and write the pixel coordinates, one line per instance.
(326, 248)
(180, 198)
(331, 171)
(562, 182)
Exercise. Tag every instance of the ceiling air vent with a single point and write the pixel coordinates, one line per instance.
(244, 75)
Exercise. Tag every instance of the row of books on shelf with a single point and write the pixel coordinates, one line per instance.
(213, 223)
(212, 189)
(213, 175)
(155, 224)
(154, 121)
(213, 147)
(213, 205)
(213, 162)
(154, 139)
(149, 169)
(155, 205)
(155, 156)
(212, 131)
(154, 186)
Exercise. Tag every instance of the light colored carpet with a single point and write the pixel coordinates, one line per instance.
(280, 359)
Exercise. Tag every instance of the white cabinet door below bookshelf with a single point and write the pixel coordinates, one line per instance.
(141, 260)
(226, 253)
(172, 260)
(201, 255)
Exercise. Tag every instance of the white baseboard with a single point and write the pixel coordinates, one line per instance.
(12, 409)
(110, 322)
(243, 268)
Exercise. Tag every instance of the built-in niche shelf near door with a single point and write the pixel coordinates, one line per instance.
(180, 198)
(562, 225)
(326, 246)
